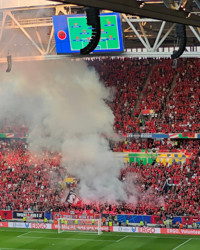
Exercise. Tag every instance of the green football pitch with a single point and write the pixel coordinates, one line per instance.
(27, 239)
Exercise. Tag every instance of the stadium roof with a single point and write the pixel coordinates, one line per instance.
(6, 4)
(142, 9)
(28, 32)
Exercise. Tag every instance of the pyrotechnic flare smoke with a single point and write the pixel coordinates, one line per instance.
(64, 105)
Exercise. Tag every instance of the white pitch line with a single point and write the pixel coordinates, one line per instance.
(45, 232)
(18, 231)
(113, 234)
(105, 235)
(122, 238)
(2, 248)
(154, 237)
(22, 235)
(35, 237)
(182, 244)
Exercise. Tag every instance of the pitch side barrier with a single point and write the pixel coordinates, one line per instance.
(151, 230)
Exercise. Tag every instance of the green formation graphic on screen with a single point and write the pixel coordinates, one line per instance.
(80, 33)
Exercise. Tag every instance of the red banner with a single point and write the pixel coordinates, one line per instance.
(156, 219)
(180, 231)
(57, 215)
(190, 220)
(3, 224)
(147, 111)
(6, 214)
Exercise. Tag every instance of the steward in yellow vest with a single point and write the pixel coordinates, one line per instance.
(141, 223)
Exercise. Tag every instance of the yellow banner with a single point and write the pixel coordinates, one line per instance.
(70, 180)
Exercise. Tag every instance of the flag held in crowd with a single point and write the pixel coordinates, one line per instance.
(73, 199)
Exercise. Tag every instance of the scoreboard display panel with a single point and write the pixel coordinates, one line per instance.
(72, 33)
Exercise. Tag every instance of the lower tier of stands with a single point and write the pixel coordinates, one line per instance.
(28, 182)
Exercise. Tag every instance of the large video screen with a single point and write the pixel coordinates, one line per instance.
(72, 33)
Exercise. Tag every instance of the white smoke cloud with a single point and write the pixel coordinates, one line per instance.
(65, 101)
(131, 188)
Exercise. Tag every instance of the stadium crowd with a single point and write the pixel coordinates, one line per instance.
(146, 84)
(30, 182)
(37, 182)
(165, 145)
(126, 79)
(172, 94)
(182, 111)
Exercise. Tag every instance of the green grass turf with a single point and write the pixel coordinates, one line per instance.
(26, 239)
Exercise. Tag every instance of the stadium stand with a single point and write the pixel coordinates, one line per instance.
(31, 182)
(126, 78)
(181, 196)
(172, 94)
(175, 110)
(28, 182)
(182, 108)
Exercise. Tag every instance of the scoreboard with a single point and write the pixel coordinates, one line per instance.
(72, 33)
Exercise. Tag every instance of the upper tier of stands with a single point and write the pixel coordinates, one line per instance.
(182, 108)
(173, 94)
(126, 79)
(146, 84)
